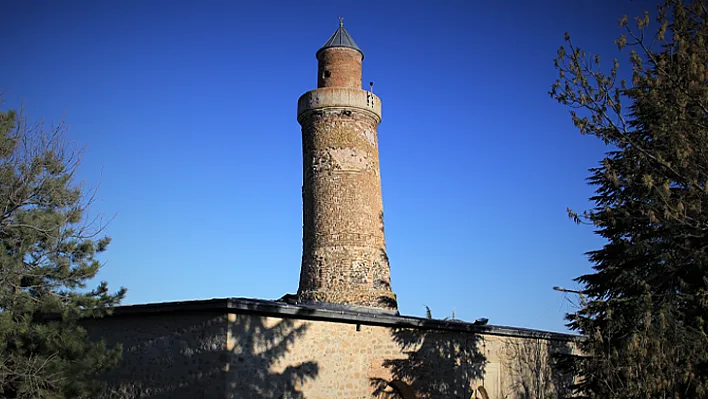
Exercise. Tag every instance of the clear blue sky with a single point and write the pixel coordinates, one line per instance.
(187, 111)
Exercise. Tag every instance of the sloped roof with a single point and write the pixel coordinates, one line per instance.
(341, 38)
(332, 313)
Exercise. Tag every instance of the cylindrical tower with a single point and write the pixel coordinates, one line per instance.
(343, 248)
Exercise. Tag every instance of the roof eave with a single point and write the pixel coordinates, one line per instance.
(317, 54)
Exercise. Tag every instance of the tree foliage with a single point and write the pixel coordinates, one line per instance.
(645, 306)
(48, 254)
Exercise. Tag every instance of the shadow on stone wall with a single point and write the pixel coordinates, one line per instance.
(436, 364)
(564, 377)
(258, 346)
(186, 355)
(533, 368)
(168, 355)
(385, 301)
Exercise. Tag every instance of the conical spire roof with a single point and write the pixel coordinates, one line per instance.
(341, 38)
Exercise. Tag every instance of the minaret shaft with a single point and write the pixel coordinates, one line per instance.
(344, 257)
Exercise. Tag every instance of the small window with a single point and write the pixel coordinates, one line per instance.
(327, 74)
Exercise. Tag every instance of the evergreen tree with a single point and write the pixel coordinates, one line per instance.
(644, 308)
(48, 254)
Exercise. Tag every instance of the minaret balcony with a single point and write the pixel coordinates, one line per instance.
(339, 97)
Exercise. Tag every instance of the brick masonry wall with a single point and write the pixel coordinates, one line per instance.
(166, 355)
(339, 67)
(344, 252)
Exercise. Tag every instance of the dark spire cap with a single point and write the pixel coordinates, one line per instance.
(341, 38)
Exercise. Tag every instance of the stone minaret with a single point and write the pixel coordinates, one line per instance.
(343, 248)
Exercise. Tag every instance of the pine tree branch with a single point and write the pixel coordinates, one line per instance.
(593, 107)
(666, 74)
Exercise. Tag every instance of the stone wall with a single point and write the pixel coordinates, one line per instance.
(166, 355)
(323, 359)
(214, 354)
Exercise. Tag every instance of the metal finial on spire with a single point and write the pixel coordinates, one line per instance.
(341, 22)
